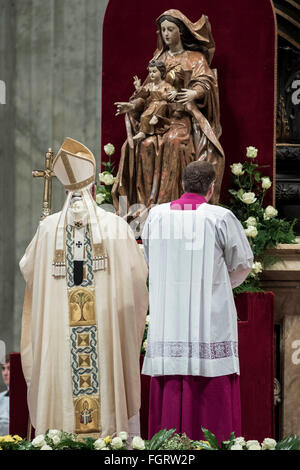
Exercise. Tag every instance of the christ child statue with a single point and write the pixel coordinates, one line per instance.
(156, 93)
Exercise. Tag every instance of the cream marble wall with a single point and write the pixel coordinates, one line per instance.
(50, 58)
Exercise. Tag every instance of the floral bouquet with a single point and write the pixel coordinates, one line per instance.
(262, 226)
(106, 178)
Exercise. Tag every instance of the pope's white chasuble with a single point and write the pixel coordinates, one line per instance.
(82, 332)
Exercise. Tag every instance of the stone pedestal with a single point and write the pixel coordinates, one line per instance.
(283, 278)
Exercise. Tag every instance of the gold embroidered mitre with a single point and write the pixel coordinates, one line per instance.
(74, 165)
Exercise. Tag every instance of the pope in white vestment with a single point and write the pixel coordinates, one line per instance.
(196, 254)
(84, 311)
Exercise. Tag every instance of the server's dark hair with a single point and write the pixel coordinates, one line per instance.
(198, 177)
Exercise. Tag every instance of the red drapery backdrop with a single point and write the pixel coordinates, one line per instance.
(256, 351)
(245, 37)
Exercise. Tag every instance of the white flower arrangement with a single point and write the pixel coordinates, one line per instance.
(251, 152)
(100, 198)
(117, 443)
(251, 231)
(268, 444)
(163, 440)
(39, 441)
(266, 183)
(251, 222)
(270, 212)
(123, 435)
(46, 447)
(106, 178)
(262, 227)
(248, 198)
(237, 169)
(109, 149)
(138, 443)
(236, 447)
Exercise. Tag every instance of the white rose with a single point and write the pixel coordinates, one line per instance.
(268, 444)
(39, 441)
(54, 432)
(106, 178)
(46, 447)
(104, 448)
(236, 447)
(270, 211)
(240, 440)
(237, 169)
(138, 443)
(251, 231)
(100, 198)
(56, 440)
(109, 149)
(257, 267)
(266, 183)
(252, 443)
(251, 152)
(99, 444)
(248, 198)
(254, 447)
(145, 344)
(147, 319)
(123, 435)
(117, 443)
(251, 222)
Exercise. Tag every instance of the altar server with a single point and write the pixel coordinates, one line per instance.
(197, 252)
(84, 311)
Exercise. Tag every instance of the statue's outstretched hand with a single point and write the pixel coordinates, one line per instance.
(123, 107)
(186, 96)
(137, 82)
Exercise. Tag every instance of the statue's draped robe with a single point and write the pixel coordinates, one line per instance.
(150, 172)
(120, 302)
(192, 348)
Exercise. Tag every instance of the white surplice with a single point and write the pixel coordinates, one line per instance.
(195, 258)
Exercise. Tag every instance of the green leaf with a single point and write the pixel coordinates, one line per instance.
(211, 438)
(159, 438)
(203, 445)
(289, 443)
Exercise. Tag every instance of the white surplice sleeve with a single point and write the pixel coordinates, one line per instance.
(145, 238)
(237, 251)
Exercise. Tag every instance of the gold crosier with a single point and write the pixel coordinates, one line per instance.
(47, 174)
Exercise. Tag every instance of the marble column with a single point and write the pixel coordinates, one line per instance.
(7, 173)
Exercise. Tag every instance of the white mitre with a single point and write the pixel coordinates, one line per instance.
(75, 167)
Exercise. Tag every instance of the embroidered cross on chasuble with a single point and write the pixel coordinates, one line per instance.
(83, 329)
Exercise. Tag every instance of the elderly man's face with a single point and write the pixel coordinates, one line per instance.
(5, 373)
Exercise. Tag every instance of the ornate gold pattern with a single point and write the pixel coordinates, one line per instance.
(83, 340)
(84, 360)
(81, 307)
(68, 168)
(82, 184)
(87, 415)
(59, 256)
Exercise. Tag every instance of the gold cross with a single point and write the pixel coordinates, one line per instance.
(47, 174)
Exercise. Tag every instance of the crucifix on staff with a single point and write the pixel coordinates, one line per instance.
(47, 174)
